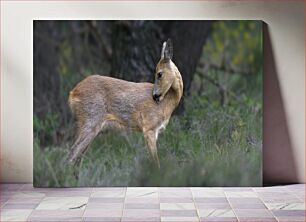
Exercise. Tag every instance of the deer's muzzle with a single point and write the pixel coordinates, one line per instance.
(156, 97)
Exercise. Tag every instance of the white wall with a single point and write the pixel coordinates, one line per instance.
(286, 28)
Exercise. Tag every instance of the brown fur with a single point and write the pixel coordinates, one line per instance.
(99, 102)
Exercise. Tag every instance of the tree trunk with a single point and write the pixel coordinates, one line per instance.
(137, 44)
(136, 49)
(47, 82)
(46, 78)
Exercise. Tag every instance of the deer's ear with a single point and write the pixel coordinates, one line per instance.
(167, 50)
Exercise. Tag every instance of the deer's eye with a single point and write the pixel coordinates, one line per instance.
(159, 75)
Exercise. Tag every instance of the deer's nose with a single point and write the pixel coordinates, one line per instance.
(156, 97)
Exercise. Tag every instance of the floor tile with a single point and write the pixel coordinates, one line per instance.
(142, 213)
(141, 206)
(10, 187)
(300, 195)
(291, 219)
(178, 213)
(207, 192)
(29, 200)
(103, 213)
(248, 206)
(57, 213)
(20, 206)
(142, 200)
(176, 200)
(240, 194)
(176, 189)
(296, 187)
(289, 213)
(55, 219)
(245, 200)
(2, 204)
(216, 213)
(279, 189)
(68, 193)
(210, 200)
(280, 200)
(14, 214)
(57, 189)
(4, 199)
(110, 189)
(62, 203)
(254, 219)
(224, 205)
(24, 202)
(218, 219)
(25, 198)
(179, 219)
(25, 194)
(272, 193)
(253, 213)
(140, 219)
(274, 197)
(285, 206)
(175, 193)
(8, 194)
(106, 200)
(97, 205)
(177, 206)
(27, 187)
(237, 189)
(106, 193)
(101, 219)
(142, 192)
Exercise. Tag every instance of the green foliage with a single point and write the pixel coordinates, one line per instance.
(236, 44)
(45, 127)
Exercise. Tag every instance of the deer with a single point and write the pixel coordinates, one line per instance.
(99, 102)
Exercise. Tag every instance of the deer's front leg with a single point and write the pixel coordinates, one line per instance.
(150, 137)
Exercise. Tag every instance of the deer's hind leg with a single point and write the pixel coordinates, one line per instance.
(87, 132)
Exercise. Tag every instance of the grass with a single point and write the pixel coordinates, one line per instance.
(209, 145)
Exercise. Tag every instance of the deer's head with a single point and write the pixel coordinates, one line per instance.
(164, 73)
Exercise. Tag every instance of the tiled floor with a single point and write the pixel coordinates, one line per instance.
(22, 202)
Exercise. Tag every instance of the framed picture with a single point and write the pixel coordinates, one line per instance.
(147, 103)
